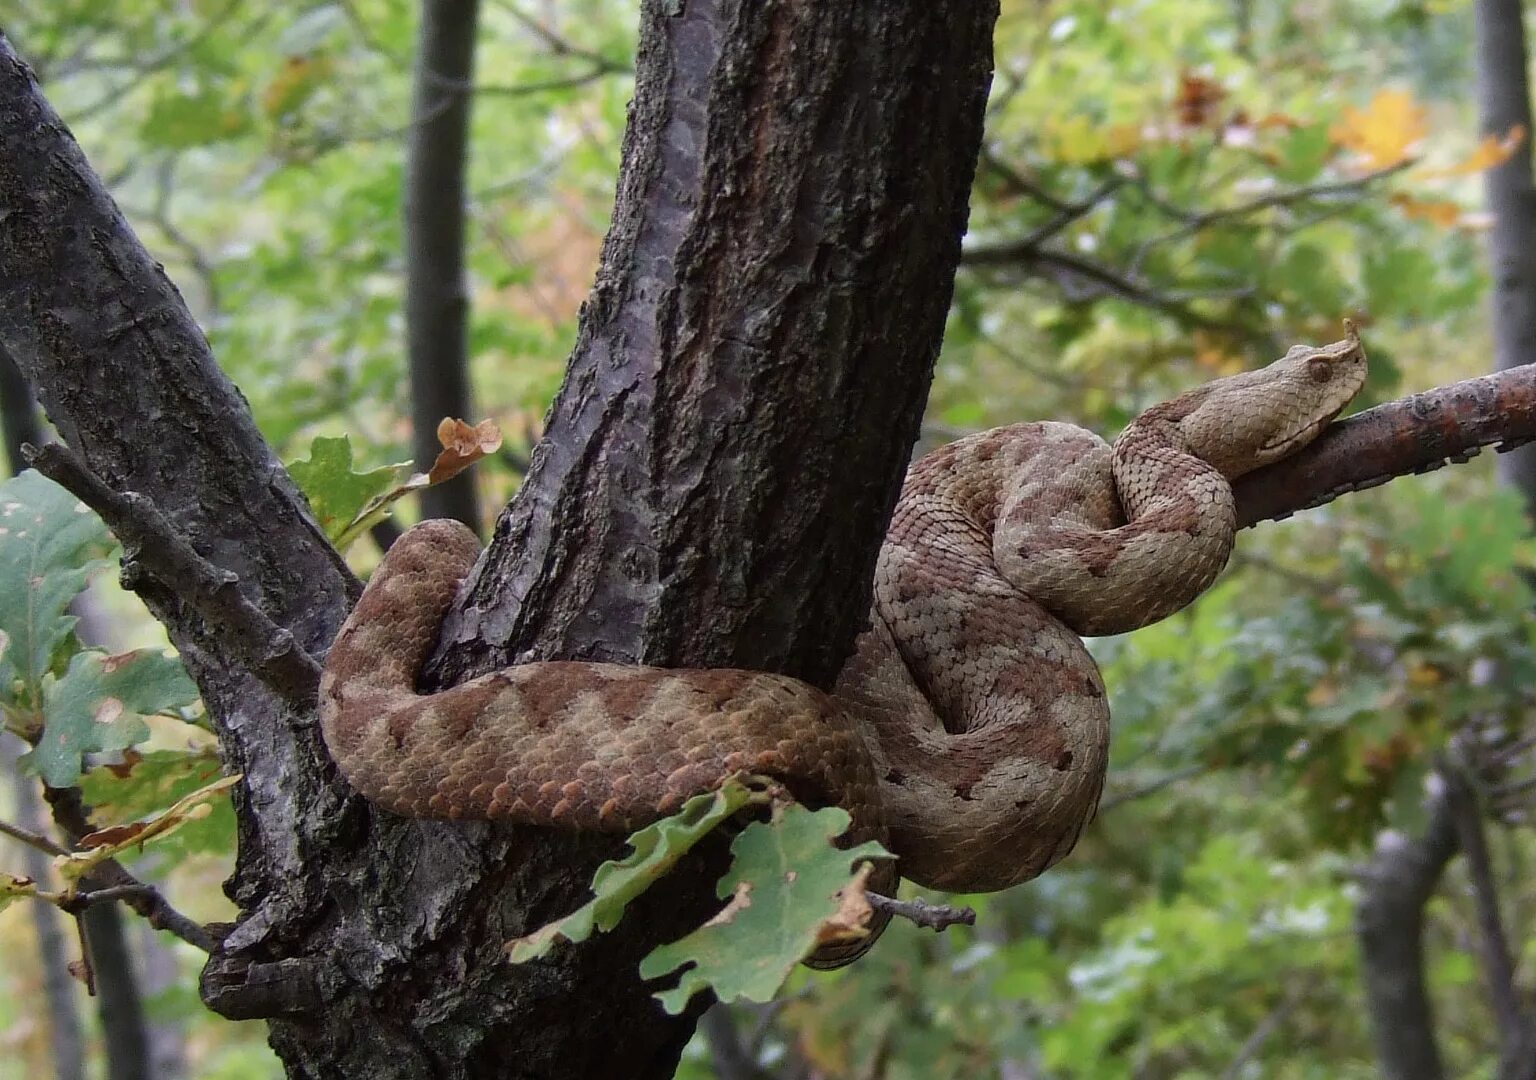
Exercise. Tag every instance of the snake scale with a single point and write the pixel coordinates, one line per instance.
(970, 729)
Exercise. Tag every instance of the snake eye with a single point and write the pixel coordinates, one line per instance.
(1319, 369)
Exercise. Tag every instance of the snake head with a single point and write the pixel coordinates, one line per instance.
(1246, 421)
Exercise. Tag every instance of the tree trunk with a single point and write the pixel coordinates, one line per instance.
(748, 382)
(1504, 102)
(436, 293)
(66, 1041)
(1389, 924)
(124, 1034)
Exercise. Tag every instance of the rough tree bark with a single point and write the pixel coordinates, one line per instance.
(436, 293)
(772, 299)
(748, 379)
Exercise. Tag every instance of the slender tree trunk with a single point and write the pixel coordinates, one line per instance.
(124, 1034)
(1389, 925)
(55, 937)
(159, 972)
(1504, 101)
(436, 293)
(118, 1004)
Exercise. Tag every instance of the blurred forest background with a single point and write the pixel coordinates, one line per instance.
(1320, 768)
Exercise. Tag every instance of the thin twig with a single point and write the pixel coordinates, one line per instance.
(566, 82)
(1151, 787)
(74, 903)
(150, 541)
(70, 812)
(1072, 212)
(1262, 1033)
(558, 45)
(145, 66)
(1192, 222)
(934, 916)
(32, 839)
(1084, 279)
(1020, 184)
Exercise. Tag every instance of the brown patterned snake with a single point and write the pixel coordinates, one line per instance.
(970, 728)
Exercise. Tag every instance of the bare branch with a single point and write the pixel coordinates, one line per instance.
(1018, 184)
(934, 916)
(1193, 221)
(1262, 1033)
(1083, 279)
(559, 45)
(75, 903)
(1071, 212)
(153, 543)
(145, 66)
(1151, 787)
(32, 839)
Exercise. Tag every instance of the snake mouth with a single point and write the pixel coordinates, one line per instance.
(1285, 444)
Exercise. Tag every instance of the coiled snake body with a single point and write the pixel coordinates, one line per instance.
(970, 728)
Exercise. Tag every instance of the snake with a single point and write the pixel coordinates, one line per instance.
(968, 731)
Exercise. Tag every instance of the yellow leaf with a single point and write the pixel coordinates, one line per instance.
(291, 87)
(1440, 211)
(1425, 675)
(1385, 131)
(1078, 141)
(1214, 355)
(1491, 152)
(1121, 140)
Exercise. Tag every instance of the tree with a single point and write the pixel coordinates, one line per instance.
(880, 238)
(828, 170)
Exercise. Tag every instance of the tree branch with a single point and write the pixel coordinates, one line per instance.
(70, 812)
(151, 544)
(1084, 279)
(33, 840)
(1412, 435)
(938, 917)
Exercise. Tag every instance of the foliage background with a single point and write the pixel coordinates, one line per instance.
(1170, 191)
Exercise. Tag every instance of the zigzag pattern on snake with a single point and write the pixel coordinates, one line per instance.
(970, 729)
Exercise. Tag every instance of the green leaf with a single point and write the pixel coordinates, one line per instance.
(99, 704)
(785, 885)
(49, 546)
(109, 843)
(147, 785)
(337, 492)
(178, 121)
(656, 848)
(1303, 152)
(14, 888)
